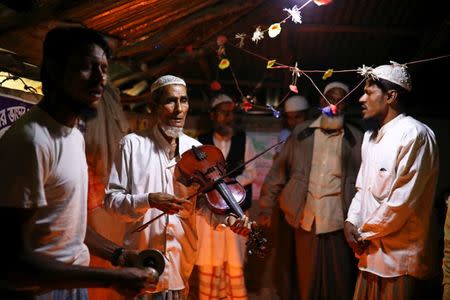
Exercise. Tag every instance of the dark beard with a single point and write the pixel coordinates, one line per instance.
(224, 130)
(371, 124)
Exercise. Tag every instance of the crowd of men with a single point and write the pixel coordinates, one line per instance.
(341, 193)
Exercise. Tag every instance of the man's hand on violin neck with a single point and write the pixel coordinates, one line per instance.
(168, 203)
(241, 226)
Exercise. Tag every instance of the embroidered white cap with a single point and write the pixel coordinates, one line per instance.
(395, 73)
(166, 80)
(296, 103)
(221, 98)
(335, 84)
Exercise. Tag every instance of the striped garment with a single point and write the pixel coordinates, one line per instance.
(221, 282)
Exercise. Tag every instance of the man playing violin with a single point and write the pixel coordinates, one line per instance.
(143, 184)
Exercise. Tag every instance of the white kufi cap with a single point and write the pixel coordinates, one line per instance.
(221, 98)
(395, 72)
(296, 103)
(335, 84)
(166, 80)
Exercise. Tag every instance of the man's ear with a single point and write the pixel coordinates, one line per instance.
(391, 96)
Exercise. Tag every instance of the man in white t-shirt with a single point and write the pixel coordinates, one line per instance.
(44, 184)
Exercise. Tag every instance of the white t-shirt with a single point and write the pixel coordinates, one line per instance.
(44, 166)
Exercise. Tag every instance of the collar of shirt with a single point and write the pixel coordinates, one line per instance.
(385, 128)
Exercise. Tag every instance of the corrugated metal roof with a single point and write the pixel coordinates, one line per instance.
(153, 35)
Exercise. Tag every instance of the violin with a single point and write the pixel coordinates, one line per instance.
(206, 166)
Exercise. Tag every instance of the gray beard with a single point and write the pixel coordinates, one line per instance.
(170, 131)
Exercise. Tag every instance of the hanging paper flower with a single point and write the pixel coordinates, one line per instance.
(257, 35)
(274, 30)
(367, 72)
(224, 63)
(189, 49)
(330, 110)
(221, 40)
(270, 63)
(293, 88)
(328, 73)
(322, 2)
(294, 12)
(275, 113)
(215, 86)
(246, 106)
(241, 37)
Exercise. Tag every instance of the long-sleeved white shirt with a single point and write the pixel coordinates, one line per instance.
(142, 167)
(394, 201)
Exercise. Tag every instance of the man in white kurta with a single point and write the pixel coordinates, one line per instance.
(143, 185)
(389, 223)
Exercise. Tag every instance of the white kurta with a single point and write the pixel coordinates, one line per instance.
(393, 204)
(141, 167)
(219, 246)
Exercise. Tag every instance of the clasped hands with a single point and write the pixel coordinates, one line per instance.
(354, 238)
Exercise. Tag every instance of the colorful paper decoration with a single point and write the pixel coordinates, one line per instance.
(327, 74)
(257, 35)
(275, 113)
(271, 63)
(330, 110)
(293, 88)
(224, 63)
(221, 40)
(241, 38)
(322, 2)
(189, 49)
(274, 30)
(294, 12)
(215, 86)
(246, 105)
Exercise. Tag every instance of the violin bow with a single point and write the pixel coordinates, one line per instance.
(146, 224)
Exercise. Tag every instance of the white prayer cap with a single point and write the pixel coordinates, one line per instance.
(335, 84)
(296, 103)
(395, 73)
(221, 98)
(166, 80)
